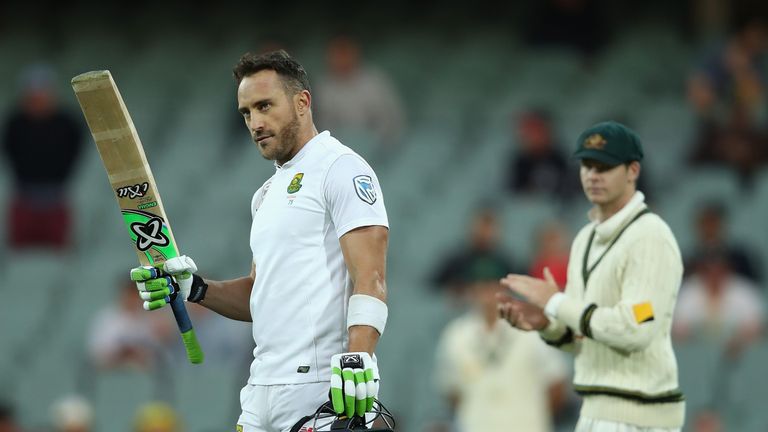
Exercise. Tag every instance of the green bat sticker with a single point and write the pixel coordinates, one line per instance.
(150, 235)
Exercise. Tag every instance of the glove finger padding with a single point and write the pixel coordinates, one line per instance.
(350, 391)
(158, 284)
(157, 304)
(337, 386)
(156, 295)
(145, 273)
(361, 392)
(372, 389)
(180, 264)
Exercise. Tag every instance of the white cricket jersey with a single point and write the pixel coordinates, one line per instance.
(302, 287)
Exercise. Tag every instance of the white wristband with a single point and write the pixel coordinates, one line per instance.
(367, 310)
(550, 309)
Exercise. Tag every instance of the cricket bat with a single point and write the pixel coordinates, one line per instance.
(132, 181)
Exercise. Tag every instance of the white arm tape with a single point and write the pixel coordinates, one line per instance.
(367, 310)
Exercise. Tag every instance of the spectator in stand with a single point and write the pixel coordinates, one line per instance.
(736, 144)
(553, 251)
(354, 97)
(716, 304)
(157, 417)
(481, 250)
(72, 414)
(538, 167)
(123, 337)
(8, 419)
(708, 420)
(39, 209)
(728, 91)
(711, 237)
(734, 75)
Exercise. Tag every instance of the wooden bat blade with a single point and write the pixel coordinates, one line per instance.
(126, 164)
(132, 181)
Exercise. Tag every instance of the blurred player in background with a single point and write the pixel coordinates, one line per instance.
(316, 290)
(495, 377)
(624, 273)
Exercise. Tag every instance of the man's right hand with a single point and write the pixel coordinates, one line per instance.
(158, 286)
(520, 314)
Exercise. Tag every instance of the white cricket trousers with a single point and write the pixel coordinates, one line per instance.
(276, 408)
(592, 425)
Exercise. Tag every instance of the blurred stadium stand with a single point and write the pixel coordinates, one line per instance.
(459, 93)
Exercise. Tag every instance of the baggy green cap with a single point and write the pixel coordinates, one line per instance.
(609, 142)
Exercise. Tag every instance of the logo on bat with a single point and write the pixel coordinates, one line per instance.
(149, 234)
(364, 188)
(132, 192)
(147, 205)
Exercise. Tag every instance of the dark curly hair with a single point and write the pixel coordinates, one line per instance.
(293, 75)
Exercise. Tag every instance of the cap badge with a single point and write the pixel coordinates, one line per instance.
(595, 141)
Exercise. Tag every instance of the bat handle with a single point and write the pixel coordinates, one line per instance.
(194, 352)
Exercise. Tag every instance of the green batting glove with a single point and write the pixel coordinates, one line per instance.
(354, 383)
(155, 286)
(159, 285)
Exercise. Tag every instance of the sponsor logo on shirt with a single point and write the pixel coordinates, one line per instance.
(295, 183)
(365, 189)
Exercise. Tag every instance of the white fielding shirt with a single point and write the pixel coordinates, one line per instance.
(299, 298)
(501, 375)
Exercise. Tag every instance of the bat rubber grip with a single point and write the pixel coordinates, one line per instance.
(194, 352)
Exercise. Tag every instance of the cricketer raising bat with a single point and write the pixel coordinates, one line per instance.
(132, 181)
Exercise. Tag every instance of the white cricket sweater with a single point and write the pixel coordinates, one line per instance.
(618, 324)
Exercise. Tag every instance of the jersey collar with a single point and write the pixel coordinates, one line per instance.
(300, 155)
(605, 230)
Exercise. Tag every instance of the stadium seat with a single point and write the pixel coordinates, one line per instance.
(208, 397)
(701, 370)
(521, 217)
(747, 391)
(118, 395)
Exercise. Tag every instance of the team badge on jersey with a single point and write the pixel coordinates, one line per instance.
(295, 183)
(364, 188)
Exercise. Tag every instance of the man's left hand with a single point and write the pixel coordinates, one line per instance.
(354, 383)
(533, 290)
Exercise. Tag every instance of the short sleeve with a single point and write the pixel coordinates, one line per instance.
(353, 195)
